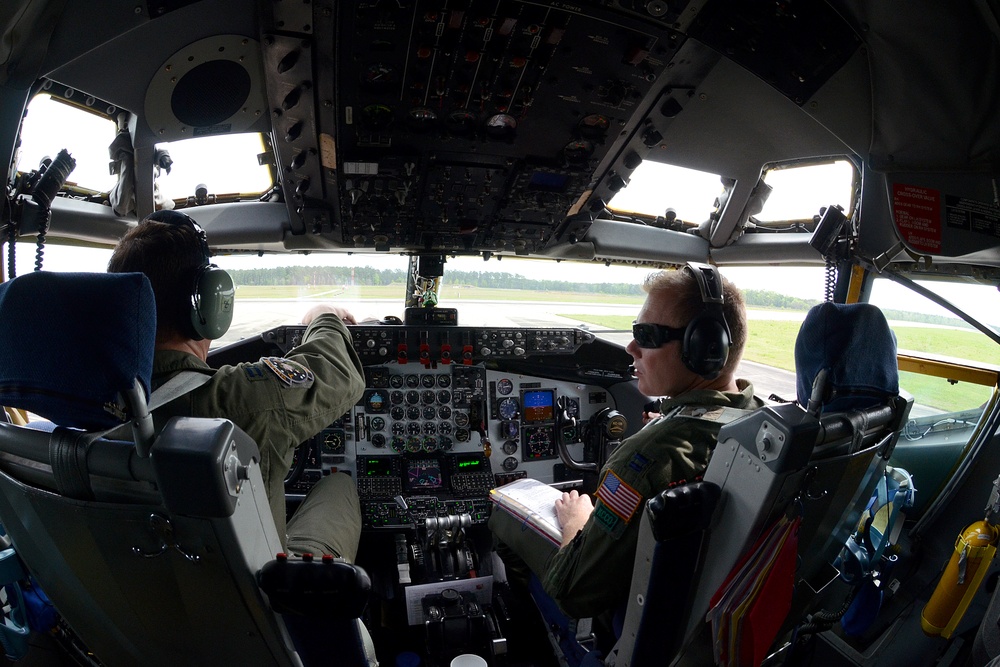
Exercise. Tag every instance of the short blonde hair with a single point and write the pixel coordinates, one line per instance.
(681, 285)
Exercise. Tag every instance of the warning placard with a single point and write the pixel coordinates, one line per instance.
(917, 212)
(972, 215)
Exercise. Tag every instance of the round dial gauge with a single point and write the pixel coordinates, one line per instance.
(429, 412)
(444, 380)
(509, 447)
(509, 429)
(444, 443)
(461, 419)
(397, 413)
(377, 424)
(444, 412)
(509, 464)
(396, 381)
(412, 380)
(444, 428)
(462, 435)
(396, 397)
(376, 401)
(427, 381)
(378, 440)
(507, 408)
(505, 386)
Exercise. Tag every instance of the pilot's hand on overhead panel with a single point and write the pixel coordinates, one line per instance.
(322, 308)
(573, 510)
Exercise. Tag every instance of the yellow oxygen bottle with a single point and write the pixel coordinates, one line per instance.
(974, 550)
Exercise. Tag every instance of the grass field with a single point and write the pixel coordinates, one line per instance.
(448, 293)
(771, 342)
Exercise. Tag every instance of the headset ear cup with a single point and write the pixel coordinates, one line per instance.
(706, 346)
(212, 301)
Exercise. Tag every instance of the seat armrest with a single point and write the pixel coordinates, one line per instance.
(326, 588)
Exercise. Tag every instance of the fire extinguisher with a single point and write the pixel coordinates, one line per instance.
(974, 550)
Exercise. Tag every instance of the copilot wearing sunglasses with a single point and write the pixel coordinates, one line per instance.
(689, 337)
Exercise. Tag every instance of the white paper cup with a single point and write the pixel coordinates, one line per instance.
(468, 660)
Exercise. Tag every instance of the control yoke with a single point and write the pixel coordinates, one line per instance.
(601, 435)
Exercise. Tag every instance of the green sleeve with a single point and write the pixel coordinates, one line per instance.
(593, 572)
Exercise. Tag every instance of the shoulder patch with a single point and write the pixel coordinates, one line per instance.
(290, 373)
(619, 497)
(701, 412)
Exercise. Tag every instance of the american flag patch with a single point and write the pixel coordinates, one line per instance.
(620, 498)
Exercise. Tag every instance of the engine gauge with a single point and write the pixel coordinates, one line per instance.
(444, 380)
(461, 419)
(378, 440)
(594, 126)
(509, 464)
(427, 397)
(430, 443)
(428, 412)
(507, 408)
(505, 386)
(578, 151)
(378, 76)
(413, 428)
(377, 424)
(444, 412)
(395, 381)
(444, 396)
(398, 428)
(421, 119)
(501, 126)
(413, 413)
(376, 117)
(430, 428)
(395, 397)
(414, 444)
(444, 443)
(397, 413)
(444, 428)
(398, 444)
(461, 123)
(462, 435)
(509, 447)
(428, 381)
(412, 380)
(413, 397)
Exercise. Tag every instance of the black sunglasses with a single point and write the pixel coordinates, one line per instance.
(651, 336)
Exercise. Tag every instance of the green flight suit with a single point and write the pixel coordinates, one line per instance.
(593, 573)
(280, 403)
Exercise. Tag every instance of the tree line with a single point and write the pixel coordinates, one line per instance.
(370, 276)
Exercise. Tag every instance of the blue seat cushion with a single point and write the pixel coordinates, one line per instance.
(858, 349)
(71, 342)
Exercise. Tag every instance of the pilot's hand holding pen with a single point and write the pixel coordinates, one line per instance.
(573, 510)
(319, 309)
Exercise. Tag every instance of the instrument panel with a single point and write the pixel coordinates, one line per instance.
(480, 407)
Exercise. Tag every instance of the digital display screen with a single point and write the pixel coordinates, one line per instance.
(424, 474)
(378, 467)
(541, 180)
(467, 463)
(537, 405)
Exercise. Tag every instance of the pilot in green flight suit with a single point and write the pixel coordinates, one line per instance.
(278, 401)
(591, 572)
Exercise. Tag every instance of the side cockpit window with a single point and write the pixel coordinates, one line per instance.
(52, 123)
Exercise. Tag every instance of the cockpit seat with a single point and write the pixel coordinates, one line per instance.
(806, 469)
(149, 544)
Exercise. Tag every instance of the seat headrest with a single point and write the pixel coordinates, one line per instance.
(70, 343)
(854, 343)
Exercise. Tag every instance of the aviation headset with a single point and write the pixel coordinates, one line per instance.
(212, 293)
(707, 338)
